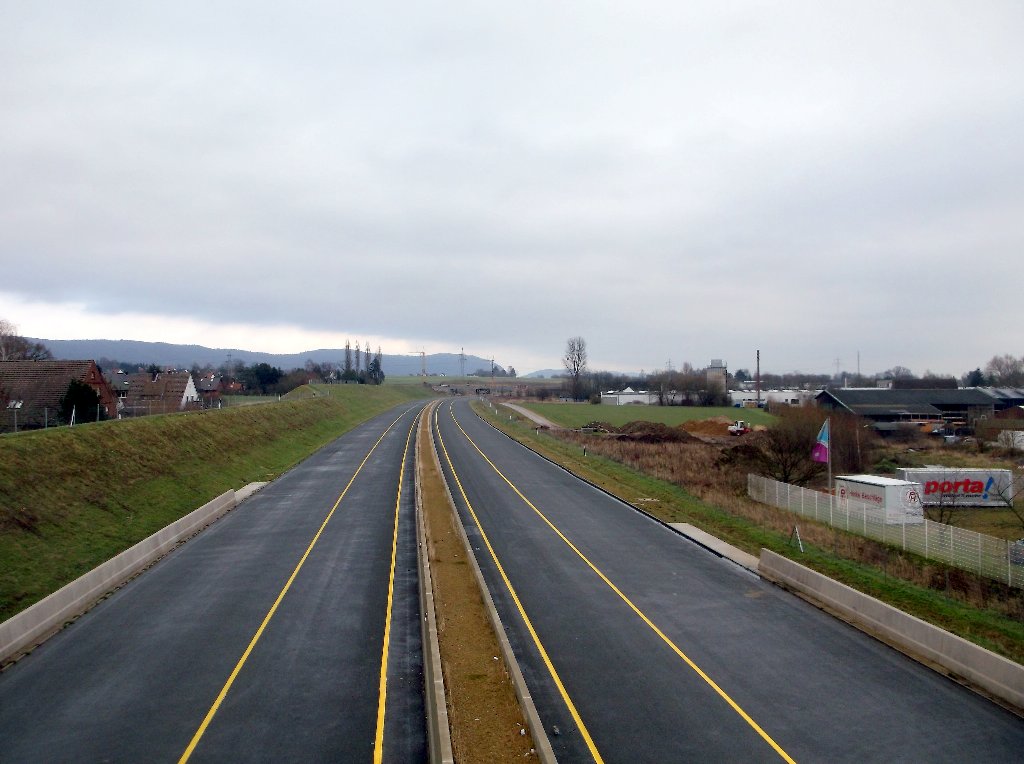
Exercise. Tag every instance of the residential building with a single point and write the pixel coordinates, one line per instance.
(160, 393)
(33, 391)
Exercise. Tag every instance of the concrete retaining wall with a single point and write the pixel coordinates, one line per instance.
(995, 675)
(35, 624)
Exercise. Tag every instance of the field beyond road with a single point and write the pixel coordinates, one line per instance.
(576, 415)
(72, 498)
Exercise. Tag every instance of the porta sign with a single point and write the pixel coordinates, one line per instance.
(962, 487)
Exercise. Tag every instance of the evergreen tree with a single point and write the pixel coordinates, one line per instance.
(375, 370)
(83, 401)
(975, 378)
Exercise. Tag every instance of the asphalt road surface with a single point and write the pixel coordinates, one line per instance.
(261, 639)
(639, 645)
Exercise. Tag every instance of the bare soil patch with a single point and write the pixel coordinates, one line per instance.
(641, 432)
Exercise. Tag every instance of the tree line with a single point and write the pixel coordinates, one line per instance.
(264, 379)
(688, 387)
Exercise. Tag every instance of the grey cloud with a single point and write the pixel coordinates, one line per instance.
(669, 181)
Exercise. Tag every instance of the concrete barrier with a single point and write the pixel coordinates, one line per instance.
(37, 623)
(993, 674)
(716, 545)
(244, 493)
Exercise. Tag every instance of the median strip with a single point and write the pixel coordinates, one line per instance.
(487, 724)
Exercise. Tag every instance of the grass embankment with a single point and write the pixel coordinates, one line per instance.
(483, 713)
(860, 563)
(72, 498)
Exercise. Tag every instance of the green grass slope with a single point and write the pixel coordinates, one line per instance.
(577, 415)
(72, 498)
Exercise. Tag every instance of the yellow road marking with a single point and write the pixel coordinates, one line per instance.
(382, 696)
(711, 683)
(519, 605)
(273, 608)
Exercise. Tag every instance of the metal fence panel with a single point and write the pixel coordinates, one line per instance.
(961, 548)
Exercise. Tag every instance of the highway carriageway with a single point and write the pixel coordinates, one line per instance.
(639, 645)
(289, 630)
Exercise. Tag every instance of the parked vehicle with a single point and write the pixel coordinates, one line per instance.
(882, 499)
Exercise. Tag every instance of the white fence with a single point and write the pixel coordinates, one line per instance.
(969, 550)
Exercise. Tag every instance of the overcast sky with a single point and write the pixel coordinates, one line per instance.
(674, 182)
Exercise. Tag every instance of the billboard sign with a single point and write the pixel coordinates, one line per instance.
(949, 486)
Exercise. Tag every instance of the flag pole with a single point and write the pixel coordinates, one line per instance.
(831, 492)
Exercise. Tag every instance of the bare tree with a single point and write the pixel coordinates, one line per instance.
(8, 334)
(14, 347)
(896, 372)
(1005, 370)
(784, 450)
(575, 361)
(348, 360)
(1007, 493)
(946, 507)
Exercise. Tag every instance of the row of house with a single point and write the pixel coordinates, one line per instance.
(35, 394)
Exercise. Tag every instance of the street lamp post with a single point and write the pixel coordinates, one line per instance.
(14, 406)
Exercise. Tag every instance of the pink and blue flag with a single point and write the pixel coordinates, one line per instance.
(820, 451)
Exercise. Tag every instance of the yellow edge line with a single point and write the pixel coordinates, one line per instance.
(273, 609)
(378, 745)
(519, 605)
(725, 696)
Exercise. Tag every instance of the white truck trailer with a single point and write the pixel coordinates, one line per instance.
(961, 487)
(895, 502)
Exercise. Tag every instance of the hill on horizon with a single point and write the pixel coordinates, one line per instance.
(185, 356)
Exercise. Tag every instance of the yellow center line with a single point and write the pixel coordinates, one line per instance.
(378, 744)
(711, 683)
(273, 608)
(519, 605)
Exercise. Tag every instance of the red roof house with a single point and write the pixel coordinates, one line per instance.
(33, 391)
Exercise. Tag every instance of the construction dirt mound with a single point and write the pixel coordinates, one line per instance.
(716, 426)
(653, 432)
(643, 432)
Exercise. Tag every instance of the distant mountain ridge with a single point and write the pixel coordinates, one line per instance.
(546, 373)
(185, 356)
